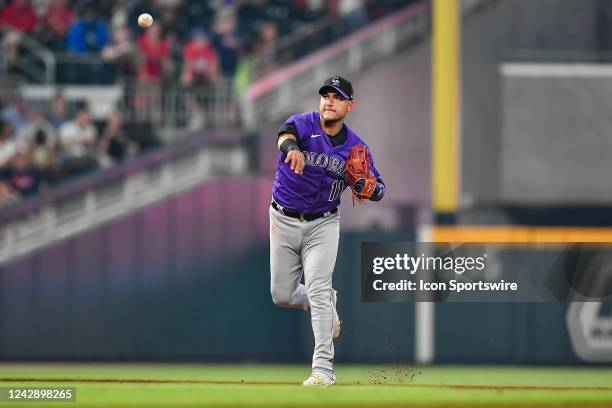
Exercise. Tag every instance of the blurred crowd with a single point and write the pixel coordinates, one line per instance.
(194, 42)
(44, 144)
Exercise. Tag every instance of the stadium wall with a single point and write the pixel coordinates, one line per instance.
(187, 279)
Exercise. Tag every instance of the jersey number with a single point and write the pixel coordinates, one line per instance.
(336, 190)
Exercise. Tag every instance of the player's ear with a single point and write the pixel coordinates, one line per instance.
(351, 106)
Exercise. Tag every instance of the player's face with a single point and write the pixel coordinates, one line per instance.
(334, 107)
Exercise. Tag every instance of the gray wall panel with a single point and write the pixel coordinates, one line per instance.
(556, 144)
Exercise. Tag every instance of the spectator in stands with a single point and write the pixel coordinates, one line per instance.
(57, 23)
(44, 156)
(251, 15)
(121, 52)
(115, 145)
(155, 68)
(38, 122)
(119, 17)
(268, 35)
(8, 147)
(311, 10)
(22, 176)
(7, 195)
(59, 111)
(226, 41)
(167, 20)
(88, 34)
(191, 14)
(78, 139)
(19, 16)
(155, 56)
(353, 13)
(245, 71)
(102, 8)
(266, 47)
(200, 60)
(16, 113)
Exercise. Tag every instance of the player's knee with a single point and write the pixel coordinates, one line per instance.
(319, 297)
(280, 296)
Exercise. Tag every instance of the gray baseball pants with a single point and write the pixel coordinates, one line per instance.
(308, 248)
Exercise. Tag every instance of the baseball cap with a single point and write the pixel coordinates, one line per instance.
(339, 85)
(198, 31)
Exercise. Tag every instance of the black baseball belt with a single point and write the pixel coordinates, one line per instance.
(302, 216)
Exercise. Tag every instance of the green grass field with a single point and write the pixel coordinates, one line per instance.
(172, 385)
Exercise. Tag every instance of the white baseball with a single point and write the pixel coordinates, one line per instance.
(145, 20)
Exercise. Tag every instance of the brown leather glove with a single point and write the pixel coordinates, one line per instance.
(359, 173)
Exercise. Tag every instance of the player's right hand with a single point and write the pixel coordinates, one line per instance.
(296, 158)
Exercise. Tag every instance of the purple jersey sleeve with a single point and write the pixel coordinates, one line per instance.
(374, 169)
(302, 125)
(380, 188)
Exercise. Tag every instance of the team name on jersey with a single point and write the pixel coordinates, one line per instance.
(331, 163)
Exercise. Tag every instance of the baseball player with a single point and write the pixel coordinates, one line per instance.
(312, 173)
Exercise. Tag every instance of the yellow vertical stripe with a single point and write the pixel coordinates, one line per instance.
(445, 94)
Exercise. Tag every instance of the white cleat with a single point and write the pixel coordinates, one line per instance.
(320, 379)
(337, 321)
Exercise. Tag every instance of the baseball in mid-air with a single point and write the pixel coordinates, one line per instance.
(145, 20)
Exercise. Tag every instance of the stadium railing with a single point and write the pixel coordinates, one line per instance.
(211, 107)
(269, 97)
(164, 107)
(37, 62)
(104, 196)
(323, 32)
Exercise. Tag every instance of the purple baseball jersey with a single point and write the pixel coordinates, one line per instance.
(319, 188)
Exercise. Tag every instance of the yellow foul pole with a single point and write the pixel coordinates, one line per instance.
(446, 113)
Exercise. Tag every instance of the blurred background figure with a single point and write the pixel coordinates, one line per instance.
(56, 24)
(19, 16)
(266, 47)
(201, 70)
(8, 147)
(37, 122)
(88, 34)
(115, 145)
(16, 20)
(16, 112)
(155, 60)
(121, 54)
(7, 195)
(77, 144)
(200, 61)
(43, 152)
(352, 12)
(227, 41)
(22, 177)
(58, 114)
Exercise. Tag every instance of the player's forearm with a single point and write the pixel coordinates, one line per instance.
(287, 143)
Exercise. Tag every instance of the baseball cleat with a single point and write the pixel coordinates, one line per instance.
(320, 379)
(337, 321)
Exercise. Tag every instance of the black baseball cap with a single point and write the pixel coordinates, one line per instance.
(339, 85)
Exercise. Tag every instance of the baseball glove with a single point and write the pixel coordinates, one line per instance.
(359, 173)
